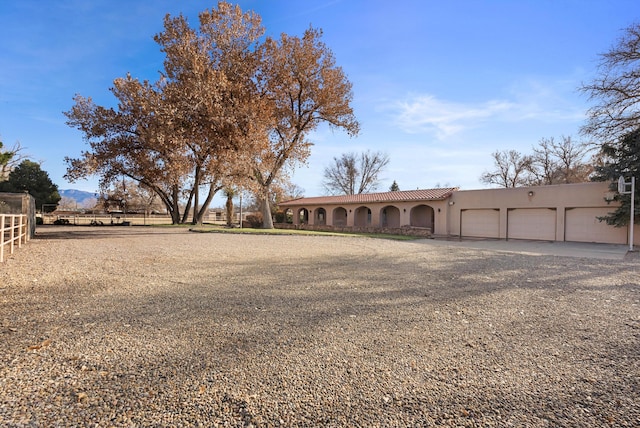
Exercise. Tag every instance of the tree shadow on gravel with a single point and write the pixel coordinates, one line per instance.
(102, 232)
(334, 286)
(344, 313)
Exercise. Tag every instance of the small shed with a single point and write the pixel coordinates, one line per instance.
(20, 203)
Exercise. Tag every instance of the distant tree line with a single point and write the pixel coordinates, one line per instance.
(551, 162)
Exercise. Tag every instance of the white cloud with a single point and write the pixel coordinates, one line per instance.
(528, 100)
(426, 113)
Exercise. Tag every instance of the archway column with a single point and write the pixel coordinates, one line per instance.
(310, 216)
(405, 215)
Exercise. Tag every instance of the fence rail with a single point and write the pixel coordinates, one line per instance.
(14, 231)
(106, 219)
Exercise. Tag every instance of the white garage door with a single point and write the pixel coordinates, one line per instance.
(480, 223)
(532, 223)
(582, 225)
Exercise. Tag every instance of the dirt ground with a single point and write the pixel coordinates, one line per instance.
(157, 326)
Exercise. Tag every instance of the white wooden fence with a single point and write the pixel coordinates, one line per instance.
(106, 219)
(14, 231)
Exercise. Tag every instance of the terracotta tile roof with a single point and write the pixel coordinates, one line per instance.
(364, 198)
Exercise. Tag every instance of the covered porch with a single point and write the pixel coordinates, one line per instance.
(415, 212)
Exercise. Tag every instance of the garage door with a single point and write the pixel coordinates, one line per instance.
(532, 223)
(582, 225)
(480, 223)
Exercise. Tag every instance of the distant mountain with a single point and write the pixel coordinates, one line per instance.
(78, 195)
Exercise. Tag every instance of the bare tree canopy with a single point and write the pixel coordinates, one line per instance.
(352, 174)
(10, 159)
(560, 162)
(511, 169)
(130, 196)
(616, 90)
(552, 162)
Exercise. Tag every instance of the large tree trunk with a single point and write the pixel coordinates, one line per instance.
(187, 208)
(205, 205)
(196, 199)
(167, 202)
(196, 202)
(229, 208)
(175, 209)
(265, 207)
(175, 216)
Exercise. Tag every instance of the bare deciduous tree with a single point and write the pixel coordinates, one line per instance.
(511, 169)
(132, 196)
(552, 162)
(10, 158)
(560, 162)
(352, 174)
(616, 90)
(67, 204)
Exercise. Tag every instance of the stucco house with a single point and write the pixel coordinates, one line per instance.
(566, 212)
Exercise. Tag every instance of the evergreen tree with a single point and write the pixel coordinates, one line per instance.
(620, 159)
(29, 177)
(394, 187)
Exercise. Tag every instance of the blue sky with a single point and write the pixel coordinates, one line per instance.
(438, 85)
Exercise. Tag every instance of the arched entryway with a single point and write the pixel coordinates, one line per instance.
(422, 216)
(288, 216)
(303, 216)
(320, 217)
(362, 217)
(339, 217)
(390, 216)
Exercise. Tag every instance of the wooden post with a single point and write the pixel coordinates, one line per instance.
(13, 228)
(12, 232)
(1, 238)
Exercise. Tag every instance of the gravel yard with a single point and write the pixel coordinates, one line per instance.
(165, 327)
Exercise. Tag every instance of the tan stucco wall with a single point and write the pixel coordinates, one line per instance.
(558, 197)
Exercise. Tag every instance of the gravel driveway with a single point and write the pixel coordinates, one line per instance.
(164, 327)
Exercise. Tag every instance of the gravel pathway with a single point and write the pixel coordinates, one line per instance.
(164, 327)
